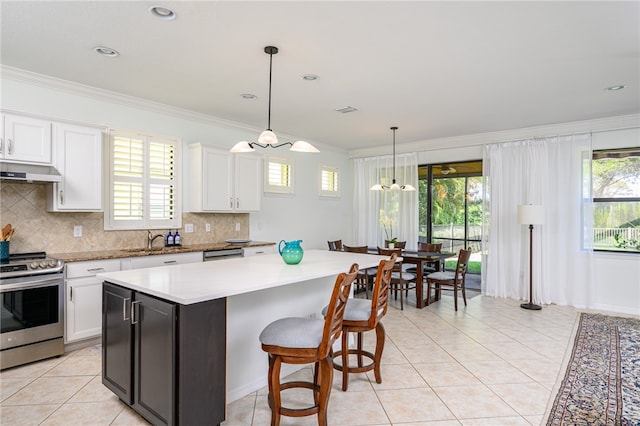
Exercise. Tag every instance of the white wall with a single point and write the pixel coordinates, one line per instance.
(302, 216)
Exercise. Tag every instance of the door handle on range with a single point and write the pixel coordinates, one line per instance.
(133, 312)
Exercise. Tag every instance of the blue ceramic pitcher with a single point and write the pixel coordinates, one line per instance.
(292, 252)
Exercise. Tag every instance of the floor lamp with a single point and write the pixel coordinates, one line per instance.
(530, 215)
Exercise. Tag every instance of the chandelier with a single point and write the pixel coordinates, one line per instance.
(268, 138)
(394, 186)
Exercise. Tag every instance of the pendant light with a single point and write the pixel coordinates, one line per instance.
(394, 186)
(268, 138)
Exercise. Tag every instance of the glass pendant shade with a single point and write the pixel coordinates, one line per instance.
(394, 186)
(242, 147)
(302, 146)
(376, 187)
(408, 188)
(268, 138)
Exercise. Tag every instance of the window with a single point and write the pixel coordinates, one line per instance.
(616, 200)
(279, 175)
(143, 177)
(329, 181)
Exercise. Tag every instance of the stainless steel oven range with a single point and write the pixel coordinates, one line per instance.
(32, 320)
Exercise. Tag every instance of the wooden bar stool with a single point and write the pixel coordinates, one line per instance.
(306, 341)
(363, 315)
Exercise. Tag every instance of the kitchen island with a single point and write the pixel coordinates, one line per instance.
(179, 341)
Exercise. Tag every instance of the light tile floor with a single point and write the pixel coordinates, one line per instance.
(491, 363)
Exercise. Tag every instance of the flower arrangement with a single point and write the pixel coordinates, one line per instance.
(387, 225)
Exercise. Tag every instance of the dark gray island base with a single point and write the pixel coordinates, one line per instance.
(167, 361)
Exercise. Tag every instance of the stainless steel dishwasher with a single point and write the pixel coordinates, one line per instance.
(211, 255)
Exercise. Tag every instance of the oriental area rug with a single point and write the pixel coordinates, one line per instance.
(601, 385)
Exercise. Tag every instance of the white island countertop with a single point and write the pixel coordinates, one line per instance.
(198, 282)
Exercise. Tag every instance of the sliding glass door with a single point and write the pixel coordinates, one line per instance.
(451, 205)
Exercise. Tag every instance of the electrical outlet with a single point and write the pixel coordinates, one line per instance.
(188, 228)
(207, 227)
(237, 226)
(77, 231)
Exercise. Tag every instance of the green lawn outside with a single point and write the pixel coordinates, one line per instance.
(474, 266)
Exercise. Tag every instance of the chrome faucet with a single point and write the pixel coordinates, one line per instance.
(151, 238)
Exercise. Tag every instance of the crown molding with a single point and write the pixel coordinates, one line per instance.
(48, 82)
(574, 127)
(54, 83)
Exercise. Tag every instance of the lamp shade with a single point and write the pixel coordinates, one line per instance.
(529, 214)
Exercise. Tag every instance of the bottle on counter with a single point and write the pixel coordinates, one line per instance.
(170, 239)
(177, 239)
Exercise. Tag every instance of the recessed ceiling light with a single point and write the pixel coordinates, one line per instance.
(162, 12)
(106, 51)
(310, 77)
(616, 87)
(248, 96)
(346, 109)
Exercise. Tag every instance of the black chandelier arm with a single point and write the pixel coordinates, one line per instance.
(268, 145)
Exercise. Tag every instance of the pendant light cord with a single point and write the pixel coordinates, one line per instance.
(270, 71)
(394, 128)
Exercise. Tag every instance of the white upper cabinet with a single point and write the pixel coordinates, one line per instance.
(224, 182)
(78, 157)
(25, 139)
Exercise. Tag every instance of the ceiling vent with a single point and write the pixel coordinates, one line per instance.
(347, 109)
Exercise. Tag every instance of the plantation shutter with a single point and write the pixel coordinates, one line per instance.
(279, 176)
(143, 183)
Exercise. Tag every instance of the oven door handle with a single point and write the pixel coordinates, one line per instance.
(31, 283)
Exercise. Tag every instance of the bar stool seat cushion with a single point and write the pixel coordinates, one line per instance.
(356, 310)
(293, 333)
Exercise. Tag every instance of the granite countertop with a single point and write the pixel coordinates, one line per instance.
(197, 282)
(140, 251)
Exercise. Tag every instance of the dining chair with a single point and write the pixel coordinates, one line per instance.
(400, 280)
(361, 316)
(335, 245)
(427, 267)
(365, 276)
(451, 280)
(306, 341)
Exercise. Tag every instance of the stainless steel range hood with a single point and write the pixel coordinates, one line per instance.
(28, 172)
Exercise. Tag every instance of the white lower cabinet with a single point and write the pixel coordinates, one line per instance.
(83, 298)
(161, 260)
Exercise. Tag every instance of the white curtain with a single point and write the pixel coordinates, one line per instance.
(554, 173)
(400, 207)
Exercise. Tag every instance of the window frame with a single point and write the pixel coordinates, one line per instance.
(279, 189)
(335, 193)
(606, 200)
(147, 181)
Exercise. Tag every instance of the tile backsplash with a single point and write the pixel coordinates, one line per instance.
(23, 205)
